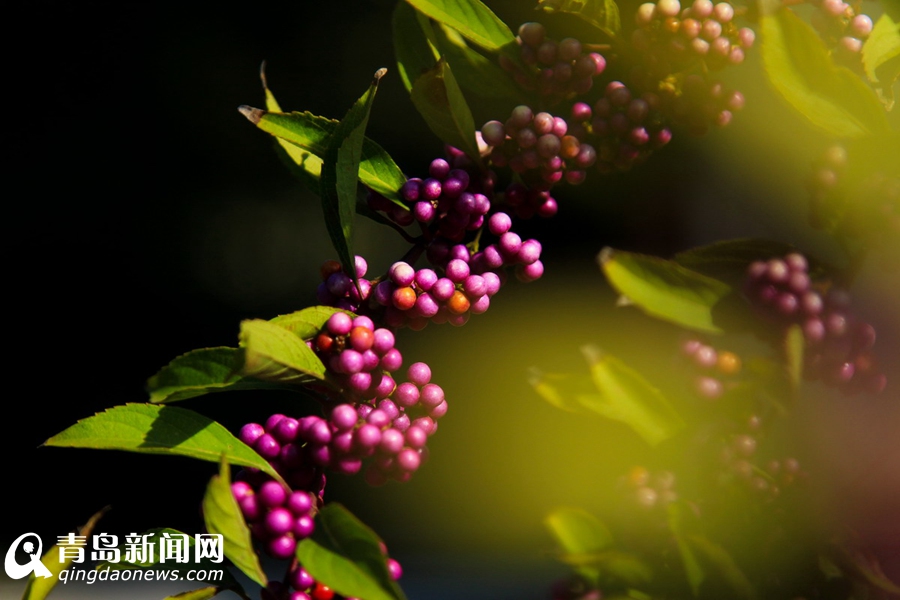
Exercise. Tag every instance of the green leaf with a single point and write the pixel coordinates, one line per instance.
(603, 14)
(201, 372)
(155, 429)
(274, 353)
(306, 323)
(794, 345)
(199, 594)
(222, 515)
(881, 55)
(724, 564)
(311, 134)
(345, 555)
(340, 171)
(303, 164)
(578, 532)
(473, 20)
(39, 588)
(799, 67)
(415, 53)
(664, 289)
(692, 568)
(437, 96)
(626, 396)
(474, 72)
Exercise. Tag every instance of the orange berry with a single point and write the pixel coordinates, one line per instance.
(404, 298)
(329, 268)
(729, 363)
(458, 303)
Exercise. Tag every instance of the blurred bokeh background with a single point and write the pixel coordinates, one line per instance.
(145, 217)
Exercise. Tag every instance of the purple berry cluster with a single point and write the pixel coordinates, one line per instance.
(444, 199)
(524, 202)
(300, 585)
(714, 370)
(838, 345)
(625, 127)
(765, 478)
(360, 356)
(701, 103)
(278, 518)
(412, 297)
(338, 288)
(556, 70)
(672, 39)
(535, 145)
(840, 25)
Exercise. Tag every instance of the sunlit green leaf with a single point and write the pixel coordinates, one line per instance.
(274, 353)
(415, 53)
(159, 429)
(881, 55)
(345, 555)
(603, 14)
(626, 396)
(340, 171)
(306, 323)
(800, 68)
(474, 72)
(472, 19)
(222, 515)
(664, 289)
(201, 372)
(39, 588)
(309, 135)
(438, 98)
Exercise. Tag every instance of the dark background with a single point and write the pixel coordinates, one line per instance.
(145, 217)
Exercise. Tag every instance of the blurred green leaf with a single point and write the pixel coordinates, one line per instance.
(222, 515)
(438, 98)
(200, 372)
(345, 554)
(725, 566)
(664, 289)
(160, 429)
(273, 353)
(794, 345)
(603, 14)
(578, 533)
(306, 323)
(613, 565)
(692, 568)
(562, 390)
(39, 588)
(626, 396)
(472, 19)
(800, 68)
(881, 56)
(305, 138)
(862, 565)
(415, 53)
